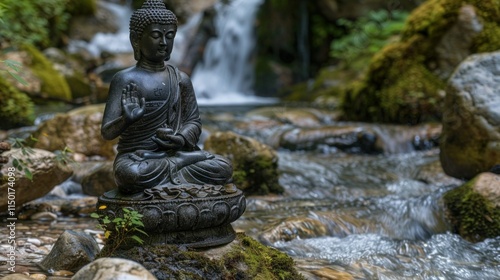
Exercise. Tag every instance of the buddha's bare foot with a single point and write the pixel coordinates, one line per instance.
(182, 159)
(145, 154)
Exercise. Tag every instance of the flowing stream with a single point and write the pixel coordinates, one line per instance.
(374, 217)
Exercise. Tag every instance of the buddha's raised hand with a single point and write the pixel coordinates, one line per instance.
(132, 105)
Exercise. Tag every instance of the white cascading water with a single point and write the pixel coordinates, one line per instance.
(225, 75)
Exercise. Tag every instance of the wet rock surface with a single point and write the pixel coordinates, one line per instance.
(71, 252)
(470, 142)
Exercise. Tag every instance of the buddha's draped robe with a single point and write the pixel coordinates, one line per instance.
(179, 111)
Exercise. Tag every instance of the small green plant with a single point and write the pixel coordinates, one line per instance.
(3, 10)
(14, 68)
(22, 164)
(19, 163)
(367, 35)
(120, 230)
(64, 156)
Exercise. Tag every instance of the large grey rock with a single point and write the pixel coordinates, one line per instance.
(470, 141)
(46, 171)
(113, 269)
(71, 251)
(79, 130)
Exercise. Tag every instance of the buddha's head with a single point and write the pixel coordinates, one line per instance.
(152, 30)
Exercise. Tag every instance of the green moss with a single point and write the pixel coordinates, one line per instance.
(255, 167)
(53, 84)
(264, 263)
(431, 19)
(489, 39)
(78, 86)
(400, 86)
(247, 259)
(16, 108)
(257, 176)
(474, 217)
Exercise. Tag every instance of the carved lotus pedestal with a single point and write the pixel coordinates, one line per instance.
(191, 215)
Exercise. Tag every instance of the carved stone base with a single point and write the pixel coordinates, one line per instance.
(206, 237)
(191, 215)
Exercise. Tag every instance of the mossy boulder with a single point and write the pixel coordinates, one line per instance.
(53, 84)
(255, 164)
(16, 108)
(404, 82)
(474, 208)
(244, 258)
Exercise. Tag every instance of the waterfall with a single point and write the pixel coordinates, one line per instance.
(225, 75)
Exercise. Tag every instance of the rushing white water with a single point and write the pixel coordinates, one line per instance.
(226, 73)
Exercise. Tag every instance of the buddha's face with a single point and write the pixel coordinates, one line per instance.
(157, 42)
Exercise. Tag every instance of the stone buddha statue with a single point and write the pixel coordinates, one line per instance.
(152, 108)
(184, 194)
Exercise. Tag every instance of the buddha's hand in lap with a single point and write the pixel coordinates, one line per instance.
(169, 142)
(132, 105)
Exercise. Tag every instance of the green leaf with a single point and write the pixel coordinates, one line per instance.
(28, 174)
(95, 215)
(12, 64)
(137, 238)
(138, 223)
(18, 78)
(141, 231)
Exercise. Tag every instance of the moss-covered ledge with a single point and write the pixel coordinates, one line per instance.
(16, 108)
(474, 208)
(244, 258)
(402, 84)
(53, 83)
